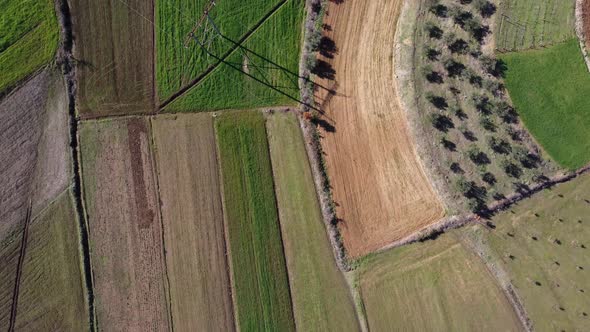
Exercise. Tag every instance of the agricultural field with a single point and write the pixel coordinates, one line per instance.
(321, 300)
(271, 54)
(178, 66)
(378, 183)
(525, 24)
(10, 244)
(433, 286)
(259, 274)
(115, 57)
(541, 243)
(125, 232)
(34, 164)
(549, 88)
(28, 39)
(192, 219)
(470, 135)
(51, 293)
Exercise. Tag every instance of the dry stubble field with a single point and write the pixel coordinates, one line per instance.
(124, 225)
(192, 218)
(114, 46)
(433, 286)
(51, 293)
(378, 183)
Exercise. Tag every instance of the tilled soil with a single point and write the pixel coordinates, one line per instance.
(124, 226)
(114, 46)
(192, 216)
(379, 186)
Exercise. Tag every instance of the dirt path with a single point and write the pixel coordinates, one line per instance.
(379, 186)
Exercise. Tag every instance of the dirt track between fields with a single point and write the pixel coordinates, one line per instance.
(379, 186)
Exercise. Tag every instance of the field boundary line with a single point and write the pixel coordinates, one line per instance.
(66, 60)
(19, 267)
(107, 117)
(222, 58)
(458, 221)
(156, 171)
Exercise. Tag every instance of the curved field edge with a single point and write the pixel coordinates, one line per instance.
(272, 56)
(549, 88)
(433, 285)
(381, 191)
(320, 294)
(260, 283)
(28, 40)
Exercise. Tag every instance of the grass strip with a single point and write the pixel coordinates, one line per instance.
(261, 287)
(321, 299)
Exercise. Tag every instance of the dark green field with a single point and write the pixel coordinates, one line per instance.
(550, 89)
(28, 39)
(272, 57)
(260, 283)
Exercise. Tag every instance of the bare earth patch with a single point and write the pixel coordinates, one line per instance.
(381, 191)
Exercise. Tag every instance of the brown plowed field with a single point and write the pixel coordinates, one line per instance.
(193, 223)
(114, 46)
(124, 226)
(378, 183)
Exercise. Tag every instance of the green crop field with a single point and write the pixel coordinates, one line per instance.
(321, 299)
(524, 24)
(276, 44)
(550, 89)
(433, 286)
(28, 39)
(51, 295)
(260, 282)
(177, 65)
(542, 243)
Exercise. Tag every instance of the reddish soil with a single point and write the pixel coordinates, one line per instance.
(379, 186)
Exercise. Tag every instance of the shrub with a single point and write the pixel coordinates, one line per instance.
(439, 10)
(433, 30)
(488, 123)
(437, 101)
(432, 54)
(485, 8)
(477, 156)
(499, 145)
(454, 68)
(459, 46)
(441, 122)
